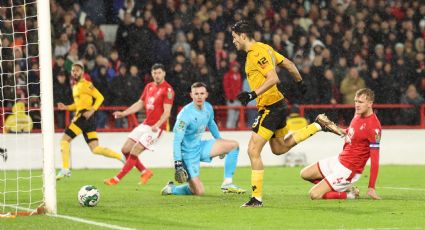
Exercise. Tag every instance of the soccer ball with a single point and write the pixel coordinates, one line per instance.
(88, 196)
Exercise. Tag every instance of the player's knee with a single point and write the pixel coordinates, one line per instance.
(304, 174)
(198, 191)
(234, 144)
(281, 150)
(315, 195)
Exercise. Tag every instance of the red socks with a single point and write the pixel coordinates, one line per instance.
(129, 164)
(138, 165)
(335, 195)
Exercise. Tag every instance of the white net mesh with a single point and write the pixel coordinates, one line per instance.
(21, 154)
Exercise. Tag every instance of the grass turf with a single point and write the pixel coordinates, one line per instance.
(286, 203)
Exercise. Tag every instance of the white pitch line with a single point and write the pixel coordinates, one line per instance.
(411, 189)
(76, 219)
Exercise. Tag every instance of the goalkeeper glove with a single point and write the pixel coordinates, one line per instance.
(181, 175)
(245, 97)
(301, 87)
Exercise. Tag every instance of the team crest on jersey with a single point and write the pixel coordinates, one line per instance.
(377, 135)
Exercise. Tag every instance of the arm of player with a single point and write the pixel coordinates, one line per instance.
(271, 80)
(179, 132)
(98, 100)
(134, 108)
(164, 117)
(71, 107)
(212, 126)
(292, 69)
(374, 167)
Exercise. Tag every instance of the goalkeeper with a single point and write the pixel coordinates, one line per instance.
(190, 150)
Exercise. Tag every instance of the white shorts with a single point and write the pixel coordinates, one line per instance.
(338, 177)
(143, 134)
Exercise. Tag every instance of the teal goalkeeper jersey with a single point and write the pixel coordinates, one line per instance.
(190, 125)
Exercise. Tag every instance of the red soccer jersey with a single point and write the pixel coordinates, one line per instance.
(154, 97)
(363, 135)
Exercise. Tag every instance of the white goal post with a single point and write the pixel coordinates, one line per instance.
(46, 94)
(27, 172)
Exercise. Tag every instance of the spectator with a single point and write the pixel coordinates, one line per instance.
(349, 85)
(62, 93)
(18, 121)
(232, 84)
(411, 96)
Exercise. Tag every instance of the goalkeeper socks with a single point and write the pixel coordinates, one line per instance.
(335, 195)
(65, 150)
(182, 190)
(304, 133)
(129, 164)
(106, 152)
(230, 163)
(257, 184)
(138, 165)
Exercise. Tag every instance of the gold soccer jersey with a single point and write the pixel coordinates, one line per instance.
(262, 58)
(84, 93)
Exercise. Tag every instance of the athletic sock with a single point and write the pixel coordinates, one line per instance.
(138, 165)
(107, 152)
(257, 183)
(304, 133)
(65, 150)
(129, 164)
(182, 190)
(230, 163)
(335, 195)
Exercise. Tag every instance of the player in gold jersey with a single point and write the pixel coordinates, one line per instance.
(270, 125)
(87, 99)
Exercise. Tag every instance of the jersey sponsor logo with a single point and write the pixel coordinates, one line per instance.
(363, 126)
(150, 103)
(349, 135)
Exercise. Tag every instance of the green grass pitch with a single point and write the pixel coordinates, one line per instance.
(286, 203)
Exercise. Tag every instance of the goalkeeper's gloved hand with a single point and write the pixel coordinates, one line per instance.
(181, 174)
(302, 88)
(245, 97)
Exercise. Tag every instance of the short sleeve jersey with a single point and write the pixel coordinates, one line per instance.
(262, 58)
(83, 93)
(154, 97)
(363, 134)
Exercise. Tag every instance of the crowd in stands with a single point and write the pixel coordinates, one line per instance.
(338, 46)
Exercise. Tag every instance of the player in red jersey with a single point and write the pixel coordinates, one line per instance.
(335, 176)
(157, 99)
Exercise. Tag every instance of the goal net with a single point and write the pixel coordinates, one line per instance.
(26, 116)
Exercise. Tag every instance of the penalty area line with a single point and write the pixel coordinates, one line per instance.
(72, 218)
(77, 219)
